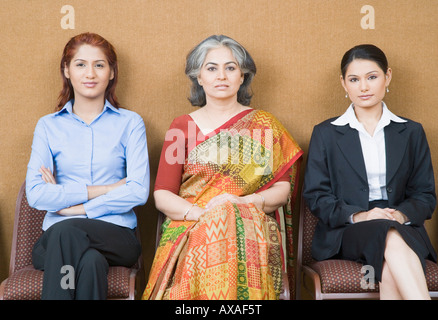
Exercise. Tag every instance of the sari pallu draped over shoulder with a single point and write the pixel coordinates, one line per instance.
(234, 250)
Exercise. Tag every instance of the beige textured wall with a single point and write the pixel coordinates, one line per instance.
(297, 46)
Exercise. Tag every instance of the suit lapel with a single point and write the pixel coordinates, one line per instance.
(350, 147)
(395, 145)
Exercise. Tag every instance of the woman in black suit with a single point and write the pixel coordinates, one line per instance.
(369, 180)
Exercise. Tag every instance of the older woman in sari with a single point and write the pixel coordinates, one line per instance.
(222, 168)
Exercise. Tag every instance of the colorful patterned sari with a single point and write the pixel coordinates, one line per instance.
(234, 251)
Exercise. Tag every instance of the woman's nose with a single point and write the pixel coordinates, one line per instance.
(90, 72)
(221, 75)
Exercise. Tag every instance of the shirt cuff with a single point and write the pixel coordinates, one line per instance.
(75, 193)
(95, 207)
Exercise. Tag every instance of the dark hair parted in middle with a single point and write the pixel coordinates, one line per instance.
(196, 58)
(365, 52)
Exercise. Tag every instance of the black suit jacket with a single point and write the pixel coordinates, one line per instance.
(336, 186)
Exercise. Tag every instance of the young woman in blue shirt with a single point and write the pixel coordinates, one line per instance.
(88, 169)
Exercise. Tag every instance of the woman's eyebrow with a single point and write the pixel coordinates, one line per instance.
(353, 75)
(100, 60)
(214, 63)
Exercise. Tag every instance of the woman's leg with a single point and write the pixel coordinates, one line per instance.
(388, 286)
(92, 276)
(68, 243)
(403, 270)
(58, 253)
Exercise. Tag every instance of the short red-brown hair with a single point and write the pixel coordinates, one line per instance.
(70, 50)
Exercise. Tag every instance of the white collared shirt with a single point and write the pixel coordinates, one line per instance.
(373, 149)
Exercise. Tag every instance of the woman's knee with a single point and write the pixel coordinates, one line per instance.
(65, 234)
(64, 227)
(393, 238)
(395, 244)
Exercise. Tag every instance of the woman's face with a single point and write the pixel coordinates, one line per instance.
(89, 73)
(366, 83)
(220, 75)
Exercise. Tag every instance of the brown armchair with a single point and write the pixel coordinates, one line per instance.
(25, 283)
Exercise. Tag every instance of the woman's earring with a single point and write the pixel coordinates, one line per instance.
(346, 94)
(387, 89)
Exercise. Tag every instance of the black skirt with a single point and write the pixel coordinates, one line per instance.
(364, 242)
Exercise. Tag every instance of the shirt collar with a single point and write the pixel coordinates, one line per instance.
(349, 117)
(68, 107)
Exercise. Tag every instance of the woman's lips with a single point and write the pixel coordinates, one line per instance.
(90, 84)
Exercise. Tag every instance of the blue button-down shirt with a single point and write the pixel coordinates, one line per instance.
(112, 147)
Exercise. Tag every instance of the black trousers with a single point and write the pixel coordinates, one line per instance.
(76, 253)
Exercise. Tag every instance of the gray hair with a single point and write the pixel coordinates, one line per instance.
(196, 58)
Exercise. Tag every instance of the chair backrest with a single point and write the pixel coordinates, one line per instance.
(27, 229)
(139, 263)
(306, 230)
